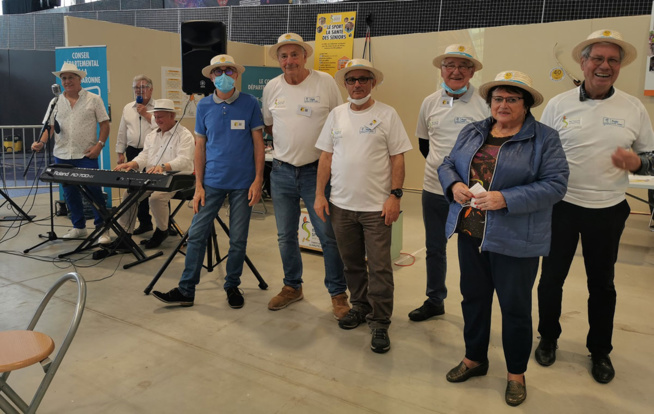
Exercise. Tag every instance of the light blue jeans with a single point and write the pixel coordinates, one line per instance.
(239, 224)
(289, 184)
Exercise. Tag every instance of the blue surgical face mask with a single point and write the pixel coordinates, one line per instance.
(224, 83)
(455, 92)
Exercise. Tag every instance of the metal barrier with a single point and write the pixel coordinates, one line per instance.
(16, 152)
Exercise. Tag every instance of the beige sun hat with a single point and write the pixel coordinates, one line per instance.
(358, 64)
(222, 60)
(608, 36)
(289, 39)
(457, 51)
(70, 68)
(513, 78)
(163, 105)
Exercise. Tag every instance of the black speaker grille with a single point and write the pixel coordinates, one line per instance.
(201, 40)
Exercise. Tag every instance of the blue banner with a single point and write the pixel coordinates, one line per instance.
(92, 60)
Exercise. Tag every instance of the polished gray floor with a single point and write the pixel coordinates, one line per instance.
(134, 355)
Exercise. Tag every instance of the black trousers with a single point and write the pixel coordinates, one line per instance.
(143, 213)
(600, 231)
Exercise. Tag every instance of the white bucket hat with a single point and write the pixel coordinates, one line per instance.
(70, 68)
(457, 51)
(358, 64)
(222, 60)
(163, 105)
(608, 36)
(513, 78)
(289, 39)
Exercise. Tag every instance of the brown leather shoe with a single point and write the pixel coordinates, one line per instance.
(341, 307)
(462, 373)
(516, 393)
(287, 296)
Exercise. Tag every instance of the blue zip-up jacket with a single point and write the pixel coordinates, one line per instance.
(532, 175)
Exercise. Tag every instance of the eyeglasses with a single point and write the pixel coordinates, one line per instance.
(510, 99)
(219, 72)
(141, 87)
(362, 80)
(598, 60)
(451, 66)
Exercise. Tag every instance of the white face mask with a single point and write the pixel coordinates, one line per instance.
(360, 101)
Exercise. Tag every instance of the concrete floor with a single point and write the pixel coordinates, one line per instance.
(134, 355)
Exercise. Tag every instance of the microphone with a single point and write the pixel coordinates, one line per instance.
(56, 89)
(139, 99)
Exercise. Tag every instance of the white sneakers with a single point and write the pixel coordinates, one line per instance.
(75, 234)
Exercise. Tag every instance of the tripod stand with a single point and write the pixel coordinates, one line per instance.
(21, 214)
(212, 248)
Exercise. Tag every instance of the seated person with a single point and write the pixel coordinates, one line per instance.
(168, 148)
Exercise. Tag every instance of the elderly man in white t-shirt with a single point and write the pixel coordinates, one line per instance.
(363, 144)
(602, 130)
(443, 115)
(295, 105)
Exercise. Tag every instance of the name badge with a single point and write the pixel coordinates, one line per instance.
(373, 124)
(304, 110)
(571, 123)
(238, 124)
(447, 101)
(312, 99)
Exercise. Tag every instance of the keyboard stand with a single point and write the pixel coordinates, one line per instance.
(111, 222)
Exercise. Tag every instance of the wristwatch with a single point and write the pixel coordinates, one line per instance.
(397, 192)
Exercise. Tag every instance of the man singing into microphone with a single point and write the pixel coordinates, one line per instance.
(76, 116)
(135, 125)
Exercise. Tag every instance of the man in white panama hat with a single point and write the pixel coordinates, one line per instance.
(363, 144)
(442, 116)
(168, 148)
(229, 162)
(295, 106)
(76, 118)
(602, 130)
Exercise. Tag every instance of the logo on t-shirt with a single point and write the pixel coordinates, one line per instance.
(613, 122)
(280, 103)
(569, 123)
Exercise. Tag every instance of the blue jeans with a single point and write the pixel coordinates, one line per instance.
(239, 225)
(434, 214)
(289, 184)
(73, 196)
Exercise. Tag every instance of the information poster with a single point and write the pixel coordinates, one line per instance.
(255, 78)
(649, 65)
(171, 88)
(334, 41)
(92, 60)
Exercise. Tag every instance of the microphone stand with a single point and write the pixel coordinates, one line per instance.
(51, 235)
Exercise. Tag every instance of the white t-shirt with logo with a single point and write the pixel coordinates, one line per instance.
(362, 143)
(590, 132)
(297, 114)
(441, 119)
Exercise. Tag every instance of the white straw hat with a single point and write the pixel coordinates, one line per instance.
(457, 51)
(289, 39)
(70, 68)
(358, 64)
(513, 78)
(608, 36)
(163, 105)
(222, 60)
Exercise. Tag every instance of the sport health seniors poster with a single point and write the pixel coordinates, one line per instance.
(334, 41)
(92, 60)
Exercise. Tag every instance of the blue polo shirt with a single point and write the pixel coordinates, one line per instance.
(227, 126)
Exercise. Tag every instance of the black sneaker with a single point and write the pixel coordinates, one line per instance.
(157, 238)
(235, 298)
(174, 296)
(380, 342)
(142, 228)
(353, 319)
(426, 311)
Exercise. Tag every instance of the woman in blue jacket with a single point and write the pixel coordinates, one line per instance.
(502, 178)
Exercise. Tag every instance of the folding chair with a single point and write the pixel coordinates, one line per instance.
(20, 349)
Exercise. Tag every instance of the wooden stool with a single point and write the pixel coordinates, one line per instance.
(21, 349)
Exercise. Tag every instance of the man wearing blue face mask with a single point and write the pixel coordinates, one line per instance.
(443, 115)
(229, 161)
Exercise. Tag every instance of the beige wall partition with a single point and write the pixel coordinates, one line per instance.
(405, 61)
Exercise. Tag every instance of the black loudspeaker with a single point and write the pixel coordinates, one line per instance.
(201, 40)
